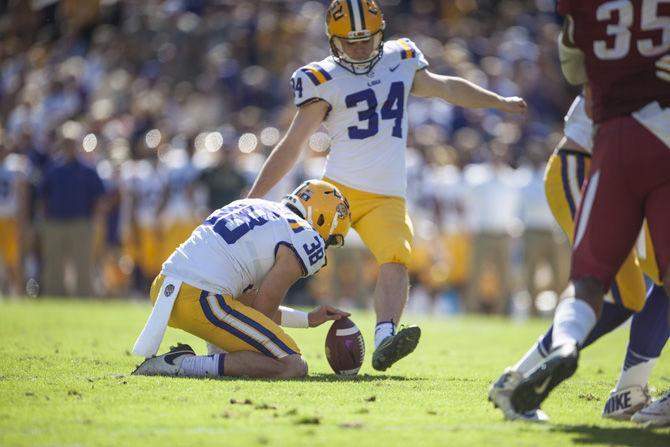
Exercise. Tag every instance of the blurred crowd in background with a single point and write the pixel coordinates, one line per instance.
(124, 123)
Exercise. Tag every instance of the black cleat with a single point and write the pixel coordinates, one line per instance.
(395, 347)
(534, 388)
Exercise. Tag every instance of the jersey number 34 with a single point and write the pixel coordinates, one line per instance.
(392, 109)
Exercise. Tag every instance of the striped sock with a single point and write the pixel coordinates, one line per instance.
(202, 366)
(648, 335)
(533, 357)
(636, 370)
(383, 330)
(573, 320)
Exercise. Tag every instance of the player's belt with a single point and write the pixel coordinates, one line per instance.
(572, 152)
(150, 339)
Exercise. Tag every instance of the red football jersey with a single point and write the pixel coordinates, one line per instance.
(621, 40)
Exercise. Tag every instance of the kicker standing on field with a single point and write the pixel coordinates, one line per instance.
(360, 93)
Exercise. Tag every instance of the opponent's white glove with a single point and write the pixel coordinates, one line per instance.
(663, 68)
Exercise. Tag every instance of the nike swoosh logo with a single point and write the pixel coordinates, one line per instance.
(394, 68)
(540, 389)
(169, 358)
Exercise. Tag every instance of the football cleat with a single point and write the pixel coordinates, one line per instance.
(656, 414)
(500, 393)
(535, 386)
(395, 347)
(622, 404)
(167, 364)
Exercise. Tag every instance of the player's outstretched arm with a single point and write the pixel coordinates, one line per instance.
(306, 121)
(463, 93)
(289, 317)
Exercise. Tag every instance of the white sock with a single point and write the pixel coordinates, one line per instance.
(636, 375)
(213, 349)
(202, 366)
(530, 360)
(383, 330)
(573, 321)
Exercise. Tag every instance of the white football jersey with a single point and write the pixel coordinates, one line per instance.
(12, 171)
(147, 183)
(579, 127)
(180, 177)
(235, 247)
(367, 122)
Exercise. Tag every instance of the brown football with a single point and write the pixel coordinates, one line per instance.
(345, 347)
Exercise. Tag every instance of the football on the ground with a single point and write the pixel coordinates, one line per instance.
(345, 347)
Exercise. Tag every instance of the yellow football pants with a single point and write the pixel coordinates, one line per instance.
(565, 173)
(382, 222)
(149, 251)
(175, 234)
(225, 322)
(9, 242)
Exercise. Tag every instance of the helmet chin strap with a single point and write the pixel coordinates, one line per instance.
(309, 216)
(292, 202)
(333, 224)
(362, 66)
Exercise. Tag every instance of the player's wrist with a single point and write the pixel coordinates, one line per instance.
(294, 318)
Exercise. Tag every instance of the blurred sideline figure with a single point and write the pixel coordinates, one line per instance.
(71, 195)
(493, 203)
(181, 213)
(13, 218)
(146, 187)
(540, 243)
(223, 182)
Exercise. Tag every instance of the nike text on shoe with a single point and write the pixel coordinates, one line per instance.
(622, 404)
(500, 393)
(656, 414)
(167, 364)
(534, 388)
(395, 347)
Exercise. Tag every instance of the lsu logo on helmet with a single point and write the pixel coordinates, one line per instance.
(324, 207)
(355, 21)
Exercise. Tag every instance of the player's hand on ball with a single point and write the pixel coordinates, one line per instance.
(513, 104)
(325, 313)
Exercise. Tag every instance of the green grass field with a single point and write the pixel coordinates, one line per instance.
(64, 380)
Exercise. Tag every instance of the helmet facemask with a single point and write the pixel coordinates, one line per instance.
(324, 208)
(355, 21)
(358, 66)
